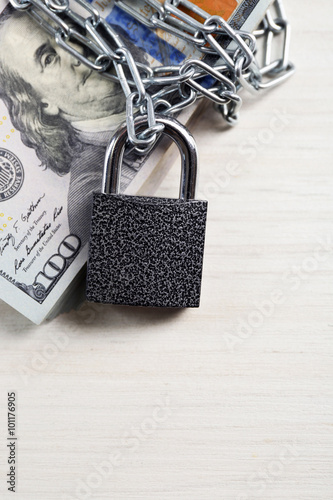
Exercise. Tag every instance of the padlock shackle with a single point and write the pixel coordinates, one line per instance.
(173, 129)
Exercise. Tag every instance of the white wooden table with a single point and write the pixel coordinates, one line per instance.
(229, 402)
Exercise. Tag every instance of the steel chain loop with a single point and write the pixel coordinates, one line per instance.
(170, 89)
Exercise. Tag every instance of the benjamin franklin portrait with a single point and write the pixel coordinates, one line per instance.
(62, 109)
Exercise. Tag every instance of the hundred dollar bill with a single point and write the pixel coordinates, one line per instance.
(56, 117)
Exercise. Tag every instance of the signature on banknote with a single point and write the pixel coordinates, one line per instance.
(32, 208)
(6, 242)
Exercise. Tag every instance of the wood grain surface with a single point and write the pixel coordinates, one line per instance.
(232, 401)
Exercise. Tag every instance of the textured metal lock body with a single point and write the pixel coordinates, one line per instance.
(147, 251)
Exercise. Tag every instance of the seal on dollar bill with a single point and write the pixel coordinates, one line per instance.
(11, 174)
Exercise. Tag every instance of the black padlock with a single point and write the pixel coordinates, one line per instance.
(147, 251)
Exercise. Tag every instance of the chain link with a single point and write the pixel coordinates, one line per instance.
(170, 89)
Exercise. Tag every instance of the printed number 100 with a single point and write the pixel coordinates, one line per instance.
(56, 264)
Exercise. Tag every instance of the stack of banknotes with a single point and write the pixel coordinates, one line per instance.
(56, 118)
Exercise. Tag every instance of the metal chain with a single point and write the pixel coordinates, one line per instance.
(169, 89)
